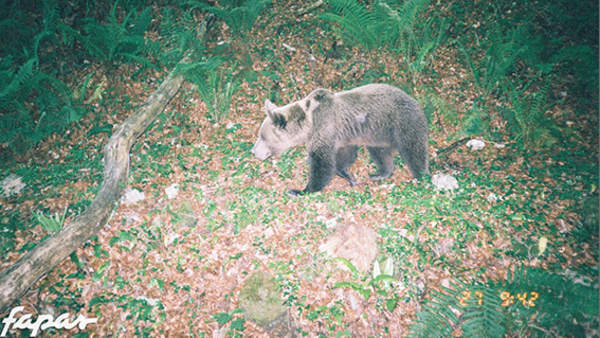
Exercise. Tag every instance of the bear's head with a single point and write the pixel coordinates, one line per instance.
(283, 128)
(290, 126)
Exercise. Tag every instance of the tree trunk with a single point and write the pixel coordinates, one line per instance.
(16, 280)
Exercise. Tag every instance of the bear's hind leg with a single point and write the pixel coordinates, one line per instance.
(321, 162)
(384, 159)
(344, 158)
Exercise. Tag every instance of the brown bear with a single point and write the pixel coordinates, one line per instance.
(332, 125)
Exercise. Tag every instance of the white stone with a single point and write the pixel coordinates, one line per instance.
(442, 181)
(11, 185)
(133, 196)
(493, 197)
(172, 191)
(172, 237)
(150, 301)
(331, 223)
(288, 47)
(476, 144)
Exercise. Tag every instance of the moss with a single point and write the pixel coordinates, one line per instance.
(259, 298)
(186, 215)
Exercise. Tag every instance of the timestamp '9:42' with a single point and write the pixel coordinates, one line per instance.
(527, 299)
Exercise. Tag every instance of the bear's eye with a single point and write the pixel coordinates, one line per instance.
(268, 139)
(276, 133)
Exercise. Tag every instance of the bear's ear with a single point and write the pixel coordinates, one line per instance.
(278, 119)
(322, 95)
(297, 114)
(269, 108)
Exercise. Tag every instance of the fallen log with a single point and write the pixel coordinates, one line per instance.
(311, 7)
(18, 278)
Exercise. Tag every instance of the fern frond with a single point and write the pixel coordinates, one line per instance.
(357, 25)
(215, 86)
(239, 18)
(177, 31)
(142, 22)
(527, 119)
(436, 318)
(531, 298)
(25, 72)
(250, 11)
(484, 316)
(51, 14)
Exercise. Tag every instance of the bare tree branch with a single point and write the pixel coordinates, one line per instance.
(17, 279)
(310, 8)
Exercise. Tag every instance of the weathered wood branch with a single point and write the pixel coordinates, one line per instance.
(311, 7)
(18, 278)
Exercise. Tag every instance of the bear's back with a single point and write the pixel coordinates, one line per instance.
(379, 103)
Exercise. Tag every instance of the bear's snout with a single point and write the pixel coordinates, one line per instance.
(262, 153)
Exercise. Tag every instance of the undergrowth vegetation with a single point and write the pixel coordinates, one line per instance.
(512, 252)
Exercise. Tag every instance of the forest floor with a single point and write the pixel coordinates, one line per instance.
(506, 203)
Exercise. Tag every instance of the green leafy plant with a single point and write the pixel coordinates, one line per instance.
(51, 224)
(379, 282)
(216, 86)
(177, 36)
(34, 105)
(476, 121)
(502, 52)
(331, 316)
(116, 41)
(236, 324)
(357, 24)
(238, 15)
(392, 24)
(527, 118)
(144, 309)
(376, 26)
(530, 302)
(419, 42)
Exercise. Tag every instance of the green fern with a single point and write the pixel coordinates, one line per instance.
(404, 21)
(381, 24)
(51, 22)
(33, 105)
(12, 82)
(503, 51)
(436, 318)
(483, 316)
(178, 36)
(215, 85)
(527, 119)
(418, 45)
(530, 302)
(435, 107)
(239, 18)
(391, 24)
(117, 41)
(569, 308)
(357, 24)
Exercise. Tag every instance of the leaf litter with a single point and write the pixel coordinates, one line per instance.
(195, 273)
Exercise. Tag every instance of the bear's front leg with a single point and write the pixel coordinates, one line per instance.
(344, 158)
(321, 170)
